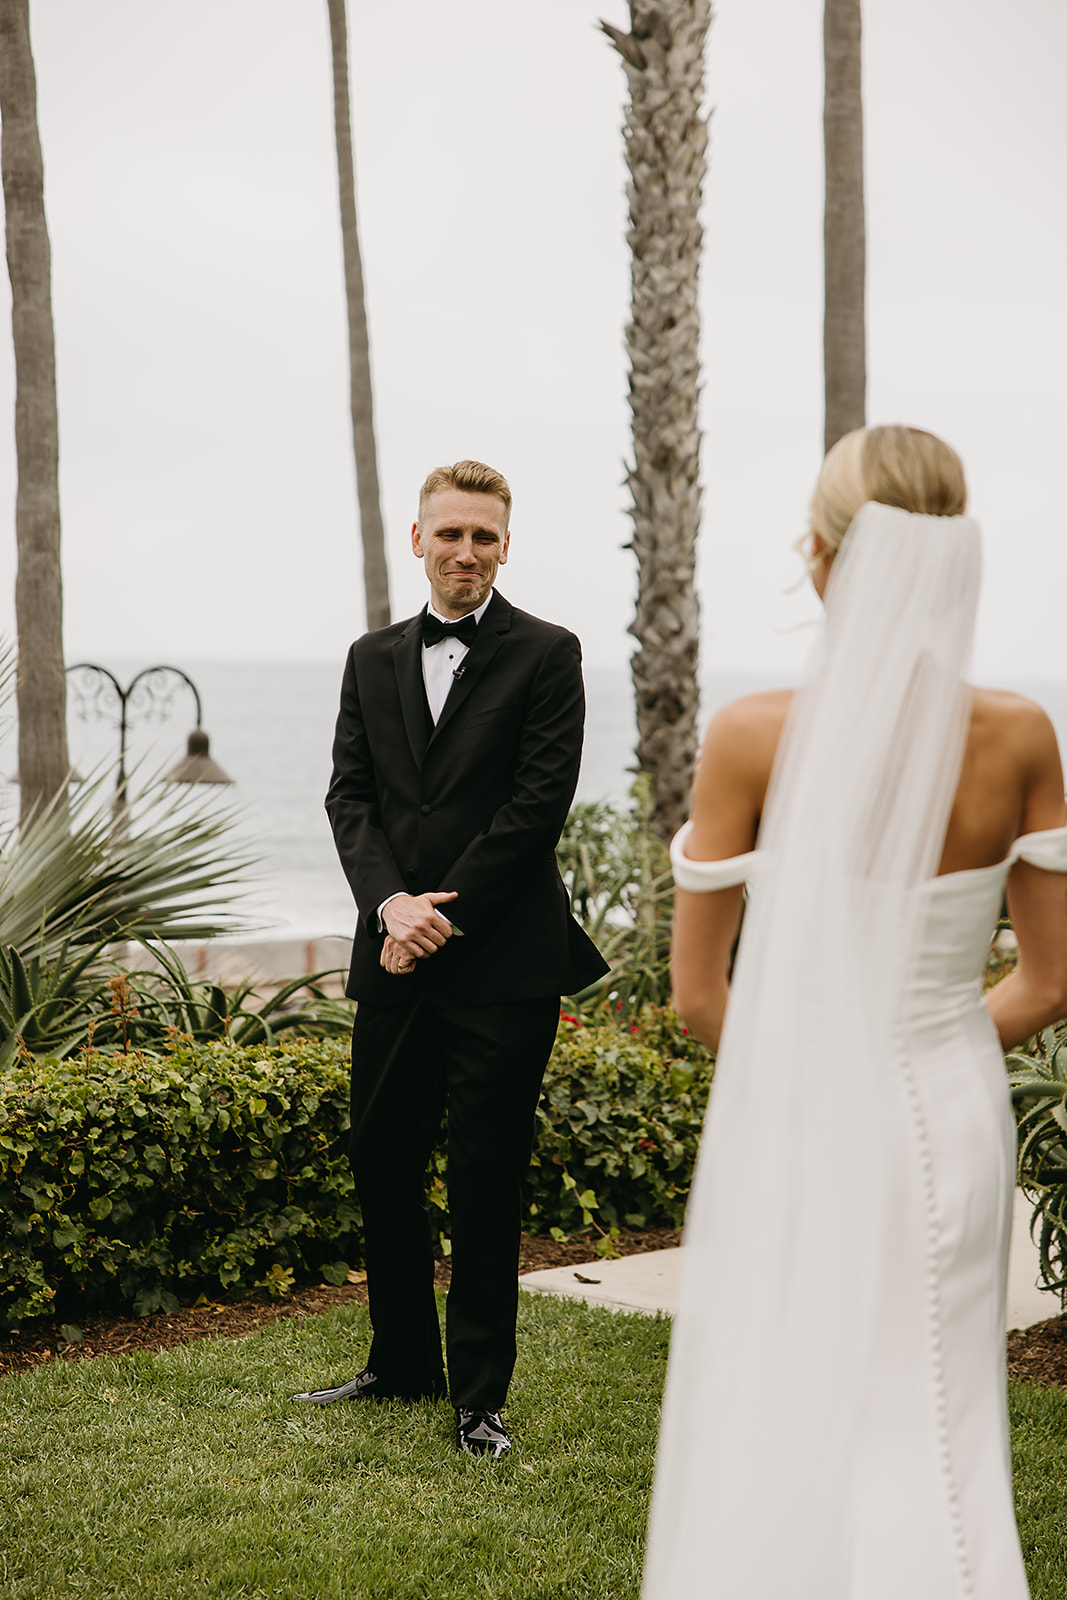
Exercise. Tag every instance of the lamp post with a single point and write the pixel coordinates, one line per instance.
(149, 696)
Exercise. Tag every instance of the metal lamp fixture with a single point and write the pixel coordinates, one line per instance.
(149, 696)
(198, 766)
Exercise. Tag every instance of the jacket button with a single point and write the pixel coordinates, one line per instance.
(424, 810)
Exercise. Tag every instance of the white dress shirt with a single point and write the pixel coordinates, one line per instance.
(441, 662)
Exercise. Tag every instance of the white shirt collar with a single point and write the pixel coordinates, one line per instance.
(477, 615)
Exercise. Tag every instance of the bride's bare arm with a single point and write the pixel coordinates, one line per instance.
(1035, 994)
(728, 793)
(704, 929)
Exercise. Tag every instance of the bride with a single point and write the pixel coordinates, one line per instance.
(835, 1423)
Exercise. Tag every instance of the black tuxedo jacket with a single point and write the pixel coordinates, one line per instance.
(475, 804)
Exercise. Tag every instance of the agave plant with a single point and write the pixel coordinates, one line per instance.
(151, 1007)
(83, 999)
(77, 872)
(48, 1007)
(74, 880)
(1039, 1095)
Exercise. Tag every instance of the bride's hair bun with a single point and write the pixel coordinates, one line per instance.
(894, 465)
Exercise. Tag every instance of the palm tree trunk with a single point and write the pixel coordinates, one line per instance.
(844, 337)
(666, 143)
(375, 571)
(42, 687)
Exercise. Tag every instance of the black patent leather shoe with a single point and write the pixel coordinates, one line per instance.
(366, 1385)
(481, 1433)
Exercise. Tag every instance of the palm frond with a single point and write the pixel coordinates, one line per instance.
(78, 870)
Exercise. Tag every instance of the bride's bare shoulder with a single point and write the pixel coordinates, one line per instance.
(754, 714)
(745, 733)
(731, 776)
(1011, 776)
(1013, 724)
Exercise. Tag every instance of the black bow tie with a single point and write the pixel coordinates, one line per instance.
(434, 630)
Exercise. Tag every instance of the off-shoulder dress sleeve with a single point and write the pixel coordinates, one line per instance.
(1047, 849)
(700, 877)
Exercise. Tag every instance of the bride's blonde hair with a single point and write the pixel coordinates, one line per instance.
(894, 465)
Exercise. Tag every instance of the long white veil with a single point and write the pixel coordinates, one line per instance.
(789, 1233)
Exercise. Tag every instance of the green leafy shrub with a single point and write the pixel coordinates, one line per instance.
(126, 1180)
(618, 1124)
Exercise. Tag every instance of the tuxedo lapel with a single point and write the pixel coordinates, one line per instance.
(407, 660)
(488, 640)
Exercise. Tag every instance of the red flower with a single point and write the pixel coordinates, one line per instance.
(634, 1028)
(686, 1032)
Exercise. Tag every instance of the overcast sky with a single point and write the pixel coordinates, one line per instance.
(190, 182)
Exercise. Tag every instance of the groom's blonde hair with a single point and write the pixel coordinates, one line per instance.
(894, 465)
(474, 476)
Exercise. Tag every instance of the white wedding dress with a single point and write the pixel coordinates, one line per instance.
(835, 1422)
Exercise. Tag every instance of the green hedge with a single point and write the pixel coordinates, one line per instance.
(618, 1124)
(126, 1180)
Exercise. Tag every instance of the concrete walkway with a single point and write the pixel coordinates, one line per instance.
(650, 1282)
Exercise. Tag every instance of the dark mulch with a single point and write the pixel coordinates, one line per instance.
(1039, 1354)
(41, 1340)
(1035, 1355)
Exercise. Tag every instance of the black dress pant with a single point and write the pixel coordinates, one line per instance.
(485, 1064)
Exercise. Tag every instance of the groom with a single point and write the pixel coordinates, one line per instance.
(455, 762)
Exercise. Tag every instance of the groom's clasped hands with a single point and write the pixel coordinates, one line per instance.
(414, 929)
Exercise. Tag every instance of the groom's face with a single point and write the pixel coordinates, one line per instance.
(461, 540)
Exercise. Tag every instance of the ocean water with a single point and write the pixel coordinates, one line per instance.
(271, 727)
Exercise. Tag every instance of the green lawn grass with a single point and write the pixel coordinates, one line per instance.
(188, 1473)
(1039, 1456)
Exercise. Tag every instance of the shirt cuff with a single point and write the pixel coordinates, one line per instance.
(381, 925)
(381, 908)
